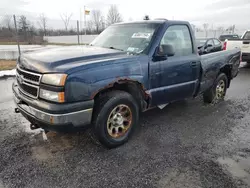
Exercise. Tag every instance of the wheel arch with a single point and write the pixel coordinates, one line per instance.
(135, 88)
(227, 71)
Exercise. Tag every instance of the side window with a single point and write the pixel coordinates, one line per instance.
(216, 42)
(210, 42)
(179, 37)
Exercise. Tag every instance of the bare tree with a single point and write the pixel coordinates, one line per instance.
(23, 25)
(113, 15)
(89, 26)
(43, 23)
(97, 20)
(66, 18)
(31, 33)
(7, 22)
(23, 22)
(103, 24)
(205, 26)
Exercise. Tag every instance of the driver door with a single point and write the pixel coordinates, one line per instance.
(176, 77)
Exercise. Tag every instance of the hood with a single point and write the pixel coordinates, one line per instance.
(62, 59)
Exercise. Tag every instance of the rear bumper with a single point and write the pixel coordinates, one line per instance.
(246, 57)
(53, 116)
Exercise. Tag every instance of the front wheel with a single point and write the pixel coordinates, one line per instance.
(115, 117)
(218, 91)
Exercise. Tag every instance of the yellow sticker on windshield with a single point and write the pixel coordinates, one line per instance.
(141, 35)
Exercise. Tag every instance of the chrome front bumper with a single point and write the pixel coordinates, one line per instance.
(75, 119)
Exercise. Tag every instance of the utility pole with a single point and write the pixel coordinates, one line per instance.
(17, 37)
(85, 25)
(81, 23)
(78, 38)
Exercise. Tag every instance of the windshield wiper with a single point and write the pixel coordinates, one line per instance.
(113, 48)
(131, 53)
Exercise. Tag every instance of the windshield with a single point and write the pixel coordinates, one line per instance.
(133, 38)
(247, 35)
(200, 42)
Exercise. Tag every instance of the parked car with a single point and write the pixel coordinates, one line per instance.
(129, 68)
(243, 44)
(222, 38)
(210, 45)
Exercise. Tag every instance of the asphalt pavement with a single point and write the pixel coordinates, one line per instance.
(187, 144)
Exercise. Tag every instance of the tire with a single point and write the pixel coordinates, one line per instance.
(216, 93)
(115, 117)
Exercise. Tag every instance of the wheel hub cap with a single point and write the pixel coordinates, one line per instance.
(119, 121)
(220, 89)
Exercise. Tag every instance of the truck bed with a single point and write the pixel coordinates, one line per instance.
(212, 63)
(243, 44)
(239, 43)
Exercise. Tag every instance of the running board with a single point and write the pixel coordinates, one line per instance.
(162, 106)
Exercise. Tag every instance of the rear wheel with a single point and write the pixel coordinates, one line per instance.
(218, 91)
(116, 115)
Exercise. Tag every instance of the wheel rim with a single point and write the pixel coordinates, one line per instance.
(119, 121)
(220, 89)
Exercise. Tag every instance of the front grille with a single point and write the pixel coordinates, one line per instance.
(28, 82)
(29, 76)
(28, 89)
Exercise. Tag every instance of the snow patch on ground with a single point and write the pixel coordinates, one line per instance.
(8, 73)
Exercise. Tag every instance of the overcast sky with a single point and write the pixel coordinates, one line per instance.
(216, 12)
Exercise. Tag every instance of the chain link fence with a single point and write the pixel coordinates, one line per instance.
(42, 30)
(215, 33)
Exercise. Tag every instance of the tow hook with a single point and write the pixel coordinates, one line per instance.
(33, 127)
(17, 110)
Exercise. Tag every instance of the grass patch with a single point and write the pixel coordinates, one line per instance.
(7, 64)
(13, 43)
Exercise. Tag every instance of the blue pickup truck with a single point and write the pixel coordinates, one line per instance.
(129, 68)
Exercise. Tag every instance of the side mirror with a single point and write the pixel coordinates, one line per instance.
(165, 50)
(209, 45)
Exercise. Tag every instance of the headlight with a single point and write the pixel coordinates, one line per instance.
(52, 96)
(54, 79)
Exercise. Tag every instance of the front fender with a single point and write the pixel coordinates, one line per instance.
(85, 84)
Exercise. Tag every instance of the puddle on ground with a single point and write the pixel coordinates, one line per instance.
(238, 166)
(53, 144)
(179, 179)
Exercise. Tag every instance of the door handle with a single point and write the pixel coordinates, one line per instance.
(193, 64)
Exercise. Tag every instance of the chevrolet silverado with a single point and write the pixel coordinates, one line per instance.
(129, 68)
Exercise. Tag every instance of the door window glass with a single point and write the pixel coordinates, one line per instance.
(216, 42)
(210, 42)
(179, 37)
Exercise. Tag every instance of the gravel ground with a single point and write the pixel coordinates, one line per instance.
(187, 144)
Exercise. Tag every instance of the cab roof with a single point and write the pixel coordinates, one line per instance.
(159, 21)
